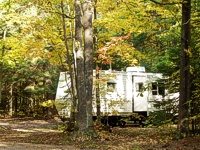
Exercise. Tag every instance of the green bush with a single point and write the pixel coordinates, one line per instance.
(159, 118)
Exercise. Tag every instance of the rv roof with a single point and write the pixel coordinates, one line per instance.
(135, 69)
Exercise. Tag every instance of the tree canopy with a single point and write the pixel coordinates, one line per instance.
(38, 40)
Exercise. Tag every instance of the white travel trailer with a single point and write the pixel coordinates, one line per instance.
(122, 92)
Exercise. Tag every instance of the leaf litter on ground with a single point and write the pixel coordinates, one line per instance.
(133, 138)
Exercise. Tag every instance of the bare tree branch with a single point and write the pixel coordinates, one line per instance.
(64, 15)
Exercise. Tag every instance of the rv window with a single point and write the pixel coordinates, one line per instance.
(138, 87)
(158, 89)
(161, 89)
(154, 89)
(111, 87)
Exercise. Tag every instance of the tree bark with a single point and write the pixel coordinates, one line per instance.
(72, 75)
(11, 101)
(1, 79)
(183, 123)
(84, 61)
(95, 32)
(81, 91)
(88, 48)
(1, 68)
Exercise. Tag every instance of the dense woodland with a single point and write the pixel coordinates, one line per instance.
(41, 38)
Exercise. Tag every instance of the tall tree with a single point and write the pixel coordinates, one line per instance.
(84, 60)
(81, 114)
(97, 89)
(183, 114)
(1, 68)
(88, 48)
(71, 73)
(195, 75)
(183, 122)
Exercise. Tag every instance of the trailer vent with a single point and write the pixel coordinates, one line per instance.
(135, 69)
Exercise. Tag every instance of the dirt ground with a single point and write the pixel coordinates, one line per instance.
(30, 146)
(17, 134)
(22, 134)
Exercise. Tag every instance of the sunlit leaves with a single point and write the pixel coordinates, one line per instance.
(158, 23)
(119, 53)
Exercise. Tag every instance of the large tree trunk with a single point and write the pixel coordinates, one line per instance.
(183, 123)
(81, 91)
(84, 60)
(88, 48)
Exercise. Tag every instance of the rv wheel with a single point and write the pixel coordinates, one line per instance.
(112, 121)
(122, 123)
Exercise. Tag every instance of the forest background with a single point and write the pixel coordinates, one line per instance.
(39, 40)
